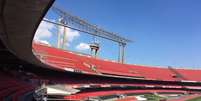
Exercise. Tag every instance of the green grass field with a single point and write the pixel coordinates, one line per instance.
(152, 97)
(195, 99)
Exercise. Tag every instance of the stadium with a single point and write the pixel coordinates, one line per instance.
(34, 71)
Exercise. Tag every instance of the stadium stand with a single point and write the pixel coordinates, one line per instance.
(87, 95)
(85, 64)
(191, 75)
(74, 82)
(22, 74)
(13, 88)
(185, 97)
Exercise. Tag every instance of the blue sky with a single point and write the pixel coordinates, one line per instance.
(165, 32)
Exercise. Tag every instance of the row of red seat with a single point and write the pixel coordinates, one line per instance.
(13, 87)
(80, 82)
(66, 60)
(193, 75)
(87, 95)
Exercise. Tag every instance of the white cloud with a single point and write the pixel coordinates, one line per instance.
(44, 31)
(70, 34)
(83, 46)
(67, 44)
(45, 42)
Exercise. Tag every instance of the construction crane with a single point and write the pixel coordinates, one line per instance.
(76, 23)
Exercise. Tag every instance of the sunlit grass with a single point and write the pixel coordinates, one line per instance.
(195, 99)
(152, 97)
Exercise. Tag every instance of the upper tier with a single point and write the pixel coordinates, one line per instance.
(75, 62)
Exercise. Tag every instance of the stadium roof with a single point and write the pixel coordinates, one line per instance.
(18, 24)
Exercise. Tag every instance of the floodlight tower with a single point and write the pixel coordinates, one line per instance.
(94, 46)
(94, 49)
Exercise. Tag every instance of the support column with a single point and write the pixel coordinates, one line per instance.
(58, 37)
(64, 38)
(123, 49)
(121, 52)
(119, 57)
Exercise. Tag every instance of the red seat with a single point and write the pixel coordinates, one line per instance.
(61, 59)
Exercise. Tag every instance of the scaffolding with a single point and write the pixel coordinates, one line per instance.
(76, 23)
